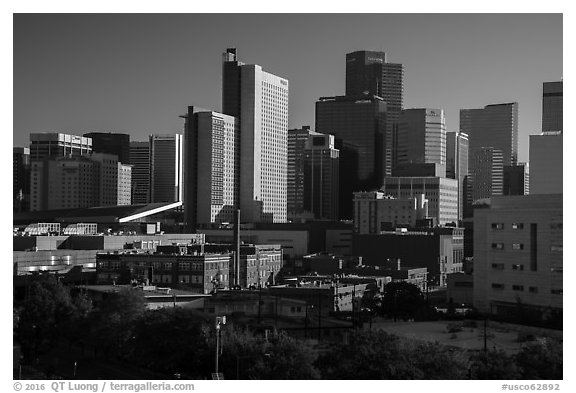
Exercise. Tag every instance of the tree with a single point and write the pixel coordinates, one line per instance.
(171, 340)
(493, 365)
(439, 362)
(45, 316)
(285, 358)
(369, 355)
(402, 300)
(114, 320)
(541, 359)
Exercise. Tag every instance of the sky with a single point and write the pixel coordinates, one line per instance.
(136, 73)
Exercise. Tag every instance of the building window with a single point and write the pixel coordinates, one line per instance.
(498, 225)
(533, 289)
(498, 266)
(497, 286)
(517, 267)
(517, 226)
(556, 248)
(497, 246)
(517, 246)
(556, 292)
(517, 287)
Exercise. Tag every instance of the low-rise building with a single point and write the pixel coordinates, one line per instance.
(518, 253)
(374, 211)
(440, 250)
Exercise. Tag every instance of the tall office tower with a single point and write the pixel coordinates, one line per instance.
(493, 126)
(295, 176)
(457, 146)
(260, 101)
(421, 136)
(360, 124)
(546, 163)
(20, 179)
(516, 179)
(111, 143)
(552, 101)
(53, 145)
(124, 183)
(212, 162)
(108, 179)
(166, 165)
(488, 178)
(518, 256)
(140, 161)
(321, 177)
(368, 73)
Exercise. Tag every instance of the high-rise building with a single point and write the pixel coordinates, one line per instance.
(140, 161)
(124, 193)
(421, 136)
(321, 177)
(166, 166)
(488, 177)
(546, 163)
(313, 183)
(21, 179)
(518, 253)
(295, 176)
(360, 125)
(457, 146)
(53, 145)
(493, 126)
(441, 193)
(552, 100)
(71, 182)
(516, 179)
(111, 143)
(65, 183)
(260, 102)
(212, 162)
(368, 73)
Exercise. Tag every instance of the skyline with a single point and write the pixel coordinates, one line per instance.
(132, 73)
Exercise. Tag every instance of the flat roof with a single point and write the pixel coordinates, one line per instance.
(102, 214)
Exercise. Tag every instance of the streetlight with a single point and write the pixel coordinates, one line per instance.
(219, 322)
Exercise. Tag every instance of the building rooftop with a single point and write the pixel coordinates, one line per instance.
(103, 214)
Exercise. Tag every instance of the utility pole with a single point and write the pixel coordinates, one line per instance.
(485, 336)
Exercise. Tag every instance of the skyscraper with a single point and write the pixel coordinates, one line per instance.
(359, 123)
(321, 177)
(368, 73)
(492, 126)
(295, 176)
(260, 102)
(546, 163)
(488, 176)
(166, 166)
(516, 179)
(111, 143)
(212, 162)
(53, 145)
(457, 146)
(421, 136)
(552, 100)
(140, 161)
(21, 179)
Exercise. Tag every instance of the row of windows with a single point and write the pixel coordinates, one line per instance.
(500, 225)
(520, 288)
(500, 246)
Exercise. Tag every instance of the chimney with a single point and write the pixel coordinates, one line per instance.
(237, 247)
